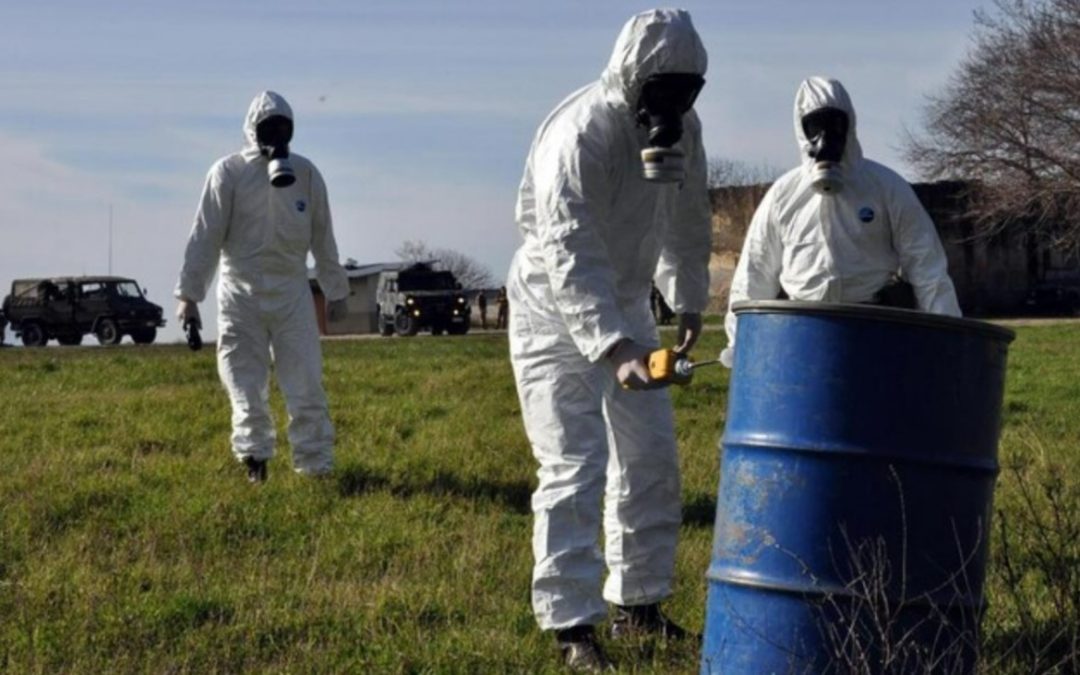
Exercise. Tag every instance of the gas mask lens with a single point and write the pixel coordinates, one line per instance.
(273, 135)
(826, 132)
(665, 98)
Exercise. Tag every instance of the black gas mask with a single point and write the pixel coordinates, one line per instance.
(273, 135)
(826, 131)
(665, 98)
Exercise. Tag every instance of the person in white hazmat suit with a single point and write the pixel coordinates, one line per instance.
(262, 211)
(596, 233)
(839, 227)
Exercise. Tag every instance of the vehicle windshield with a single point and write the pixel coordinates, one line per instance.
(28, 289)
(128, 289)
(426, 281)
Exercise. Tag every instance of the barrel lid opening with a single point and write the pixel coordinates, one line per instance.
(874, 313)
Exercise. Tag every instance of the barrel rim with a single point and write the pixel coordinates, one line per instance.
(822, 450)
(875, 312)
(740, 577)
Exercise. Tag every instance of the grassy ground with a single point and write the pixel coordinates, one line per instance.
(129, 540)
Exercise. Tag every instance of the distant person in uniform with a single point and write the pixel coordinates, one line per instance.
(481, 302)
(503, 308)
(3, 317)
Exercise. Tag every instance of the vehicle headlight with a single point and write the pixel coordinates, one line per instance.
(461, 301)
(416, 312)
(456, 312)
(409, 301)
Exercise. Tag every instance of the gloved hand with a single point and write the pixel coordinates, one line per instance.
(337, 310)
(727, 357)
(188, 311)
(631, 368)
(689, 332)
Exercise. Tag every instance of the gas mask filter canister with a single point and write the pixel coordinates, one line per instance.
(273, 135)
(826, 133)
(665, 98)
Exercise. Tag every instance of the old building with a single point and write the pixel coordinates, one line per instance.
(993, 274)
(363, 308)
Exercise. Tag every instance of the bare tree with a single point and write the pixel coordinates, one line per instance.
(723, 172)
(1009, 122)
(414, 250)
(469, 273)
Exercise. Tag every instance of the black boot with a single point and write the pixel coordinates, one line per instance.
(646, 621)
(580, 651)
(256, 469)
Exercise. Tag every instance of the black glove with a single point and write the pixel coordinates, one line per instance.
(191, 330)
(896, 293)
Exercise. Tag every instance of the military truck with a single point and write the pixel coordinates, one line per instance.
(419, 297)
(67, 308)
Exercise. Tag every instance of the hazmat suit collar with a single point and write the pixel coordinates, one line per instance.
(265, 104)
(821, 92)
(653, 42)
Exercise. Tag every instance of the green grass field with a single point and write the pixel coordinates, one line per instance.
(130, 541)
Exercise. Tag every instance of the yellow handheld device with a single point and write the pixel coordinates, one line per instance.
(667, 365)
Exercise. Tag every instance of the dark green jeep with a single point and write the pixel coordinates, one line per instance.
(67, 308)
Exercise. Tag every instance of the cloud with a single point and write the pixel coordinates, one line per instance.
(418, 114)
(54, 221)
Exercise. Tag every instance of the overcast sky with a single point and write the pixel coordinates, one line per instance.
(418, 113)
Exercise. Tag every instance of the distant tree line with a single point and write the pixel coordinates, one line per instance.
(469, 273)
(724, 172)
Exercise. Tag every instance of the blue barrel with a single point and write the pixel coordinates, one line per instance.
(857, 473)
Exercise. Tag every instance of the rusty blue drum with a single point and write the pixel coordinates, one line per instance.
(857, 474)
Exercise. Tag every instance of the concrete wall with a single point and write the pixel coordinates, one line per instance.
(362, 316)
(363, 312)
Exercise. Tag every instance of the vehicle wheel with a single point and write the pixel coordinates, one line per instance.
(33, 335)
(70, 340)
(144, 336)
(405, 325)
(108, 333)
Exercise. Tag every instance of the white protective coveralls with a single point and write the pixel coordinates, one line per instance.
(595, 232)
(843, 246)
(262, 235)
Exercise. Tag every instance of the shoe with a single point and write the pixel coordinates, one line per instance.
(647, 621)
(580, 651)
(256, 470)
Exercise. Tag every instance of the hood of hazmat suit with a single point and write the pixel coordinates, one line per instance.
(261, 236)
(595, 235)
(842, 245)
(819, 94)
(595, 231)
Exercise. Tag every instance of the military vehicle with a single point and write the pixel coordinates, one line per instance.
(419, 297)
(67, 308)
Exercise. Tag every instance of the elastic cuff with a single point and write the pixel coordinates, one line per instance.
(182, 294)
(603, 348)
